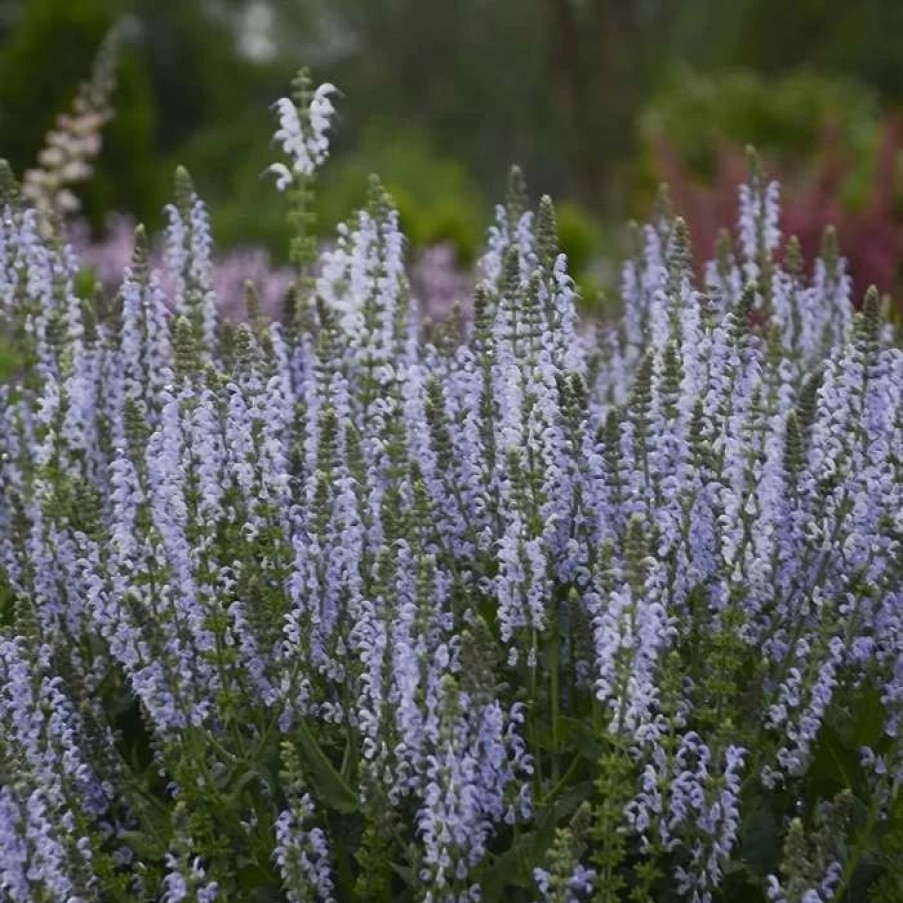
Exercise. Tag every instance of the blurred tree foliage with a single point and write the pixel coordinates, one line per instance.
(46, 50)
(784, 116)
(440, 96)
(792, 119)
(179, 75)
(862, 40)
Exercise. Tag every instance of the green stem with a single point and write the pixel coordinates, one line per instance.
(853, 861)
(534, 715)
(562, 783)
(554, 655)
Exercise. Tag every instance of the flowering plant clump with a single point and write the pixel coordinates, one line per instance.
(437, 280)
(329, 610)
(103, 261)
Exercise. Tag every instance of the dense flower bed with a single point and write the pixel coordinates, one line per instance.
(438, 282)
(325, 610)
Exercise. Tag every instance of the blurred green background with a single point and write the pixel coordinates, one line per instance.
(598, 100)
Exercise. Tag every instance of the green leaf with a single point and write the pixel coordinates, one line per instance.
(869, 719)
(332, 790)
(147, 848)
(405, 872)
(256, 771)
(759, 833)
(514, 867)
(578, 734)
(835, 764)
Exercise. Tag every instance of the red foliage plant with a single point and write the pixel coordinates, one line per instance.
(870, 237)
